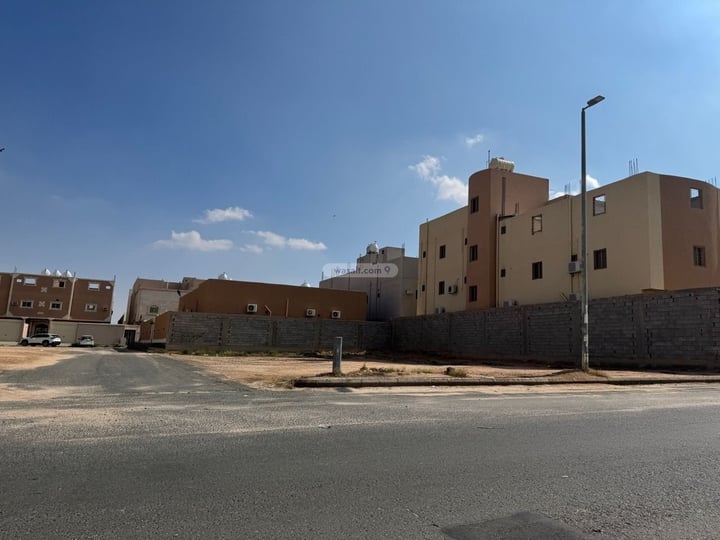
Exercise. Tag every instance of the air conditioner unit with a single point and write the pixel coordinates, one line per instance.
(409, 292)
(252, 308)
(572, 297)
(336, 314)
(574, 267)
(452, 289)
(309, 312)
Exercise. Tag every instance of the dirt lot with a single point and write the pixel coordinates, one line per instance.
(15, 357)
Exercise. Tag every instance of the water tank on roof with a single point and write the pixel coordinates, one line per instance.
(223, 276)
(68, 273)
(58, 273)
(305, 284)
(46, 272)
(502, 164)
(372, 248)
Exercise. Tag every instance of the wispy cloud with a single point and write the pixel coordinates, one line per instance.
(279, 241)
(232, 213)
(575, 188)
(475, 139)
(193, 241)
(251, 248)
(448, 187)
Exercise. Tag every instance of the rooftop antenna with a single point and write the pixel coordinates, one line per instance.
(487, 164)
(633, 167)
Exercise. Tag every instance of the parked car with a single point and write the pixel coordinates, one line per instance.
(86, 341)
(46, 340)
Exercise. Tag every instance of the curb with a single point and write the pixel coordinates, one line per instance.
(368, 382)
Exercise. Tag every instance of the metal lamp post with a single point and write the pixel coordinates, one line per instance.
(584, 300)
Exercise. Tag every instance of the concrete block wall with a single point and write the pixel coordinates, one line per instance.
(214, 331)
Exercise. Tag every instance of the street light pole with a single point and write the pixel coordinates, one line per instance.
(584, 297)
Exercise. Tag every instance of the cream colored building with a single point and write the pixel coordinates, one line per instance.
(150, 297)
(646, 232)
(441, 275)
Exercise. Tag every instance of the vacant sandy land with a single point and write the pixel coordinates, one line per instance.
(14, 357)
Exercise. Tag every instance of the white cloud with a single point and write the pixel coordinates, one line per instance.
(475, 139)
(574, 188)
(232, 213)
(592, 183)
(448, 187)
(252, 248)
(277, 240)
(193, 241)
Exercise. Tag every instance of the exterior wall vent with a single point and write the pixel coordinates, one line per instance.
(310, 312)
(336, 314)
(252, 308)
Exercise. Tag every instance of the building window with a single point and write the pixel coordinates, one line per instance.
(30, 281)
(503, 229)
(696, 198)
(91, 307)
(599, 205)
(424, 254)
(26, 303)
(474, 204)
(502, 272)
(472, 293)
(699, 256)
(441, 287)
(573, 257)
(537, 224)
(600, 259)
(442, 251)
(422, 288)
(473, 253)
(153, 310)
(94, 286)
(55, 305)
(537, 270)
(58, 283)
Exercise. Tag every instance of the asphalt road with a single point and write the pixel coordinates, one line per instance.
(118, 445)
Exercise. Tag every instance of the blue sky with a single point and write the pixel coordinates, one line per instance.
(267, 139)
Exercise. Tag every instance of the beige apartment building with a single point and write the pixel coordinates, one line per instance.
(647, 232)
(386, 275)
(150, 297)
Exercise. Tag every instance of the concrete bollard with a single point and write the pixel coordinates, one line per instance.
(337, 357)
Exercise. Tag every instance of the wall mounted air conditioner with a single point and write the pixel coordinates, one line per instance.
(310, 312)
(336, 314)
(574, 267)
(572, 297)
(252, 308)
(452, 289)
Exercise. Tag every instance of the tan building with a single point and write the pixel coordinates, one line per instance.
(386, 275)
(646, 232)
(274, 300)
(40, 299)
(443, 264)
(150, 297)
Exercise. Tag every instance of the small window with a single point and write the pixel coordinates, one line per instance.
(502, 272)
(424, 254)
(26, 303)
(422, 288)
(473, 253)
(696, 198)
(441, 287)
(599, 205)
(537, 224)
(573, 257)
(472, 293)
(58, 283)
(91, 307)
(153, 310)
(30, 281)
(474, 205)
(94, 286)
(503, 229)
(55, 305)
(537, 270)
(698, 256)
(442, 251)
(600, 259)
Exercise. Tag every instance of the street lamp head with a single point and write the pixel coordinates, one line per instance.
(594, 101)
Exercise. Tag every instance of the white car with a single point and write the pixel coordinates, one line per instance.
(46, 340)
(86, 341)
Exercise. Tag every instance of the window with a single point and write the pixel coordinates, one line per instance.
(441, 287)
(573, 257)
(599, 205)
(91, 307)
(424, 254)
(30, 281)
(474, 204)
(422, 288)
(442, 251)
(537, 270)
(153, 310)
(472, 293)
(502, 272)
(537, 224)
(503, 229)
(699, 256)
(696, 198)
(58, 283)
(26, 303)
(55, 305)
(473, 253)
(600, 258)
(94, 286)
